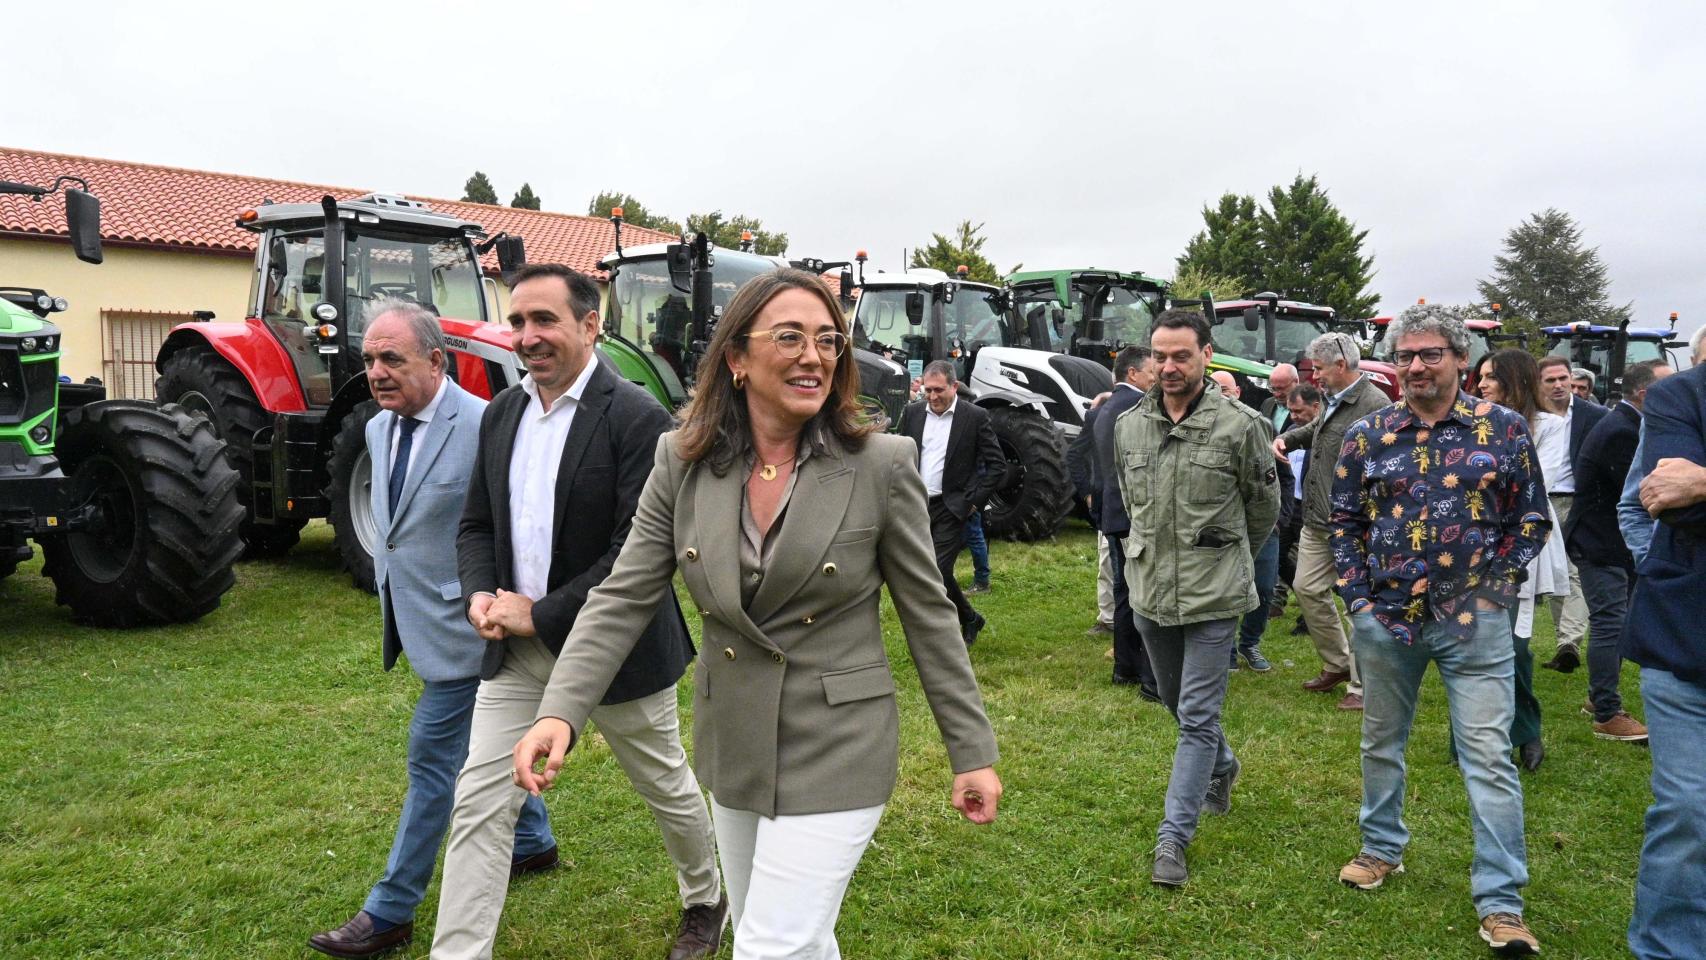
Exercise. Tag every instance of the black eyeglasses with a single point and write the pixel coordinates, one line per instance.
(791, 343)
(1430, 356)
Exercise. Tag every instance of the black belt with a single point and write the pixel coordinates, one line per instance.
(936, 499)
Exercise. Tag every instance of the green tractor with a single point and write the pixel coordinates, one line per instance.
(1094, 314)
(132, 502)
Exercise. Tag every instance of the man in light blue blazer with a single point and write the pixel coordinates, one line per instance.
(421, 446)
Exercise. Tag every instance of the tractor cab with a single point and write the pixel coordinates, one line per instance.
(320, 266)
(923, 315)
(1085, 313)
(1609, 350)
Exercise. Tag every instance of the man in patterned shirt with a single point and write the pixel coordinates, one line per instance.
(1437, 509)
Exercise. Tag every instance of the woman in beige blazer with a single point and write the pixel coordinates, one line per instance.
(785, 515)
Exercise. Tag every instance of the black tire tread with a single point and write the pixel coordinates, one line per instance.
(351, 441)
(1046, 496)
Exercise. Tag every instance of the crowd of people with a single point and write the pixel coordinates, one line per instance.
(530, 546)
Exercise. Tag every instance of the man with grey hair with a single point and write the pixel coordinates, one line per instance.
(1438, 508)
(421, 445)
(1581, 383)
(1350, 396)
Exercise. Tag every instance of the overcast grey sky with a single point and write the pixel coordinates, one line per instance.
(1081, 134)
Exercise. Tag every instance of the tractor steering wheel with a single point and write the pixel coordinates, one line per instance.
(400, 291)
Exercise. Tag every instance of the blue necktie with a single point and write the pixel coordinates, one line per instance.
(400, 468)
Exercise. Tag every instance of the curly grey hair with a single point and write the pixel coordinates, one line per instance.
(1335, 346)
(423, 323)
(1447, 321)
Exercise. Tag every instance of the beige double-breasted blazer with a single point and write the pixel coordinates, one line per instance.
(794, 703)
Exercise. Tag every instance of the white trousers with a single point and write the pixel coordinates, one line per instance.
(786, 877)
(645, 737)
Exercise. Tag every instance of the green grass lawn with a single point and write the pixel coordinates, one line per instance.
(226, 788)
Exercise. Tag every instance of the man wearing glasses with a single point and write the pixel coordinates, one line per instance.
(961, 462)
(1437, 509)
(1350, 397)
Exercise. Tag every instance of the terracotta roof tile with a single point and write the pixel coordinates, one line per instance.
(196, 209)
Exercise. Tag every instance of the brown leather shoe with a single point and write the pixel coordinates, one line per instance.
(1508, 935)
(538, 863)
(1352, 701)
(701, 930)
(1325, 681)
(356, 939)
(1621, 727)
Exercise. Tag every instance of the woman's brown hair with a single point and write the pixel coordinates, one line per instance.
(1519, 381)
(714, 425)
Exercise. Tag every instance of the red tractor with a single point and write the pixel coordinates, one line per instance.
(1279, 331)
(286, 388)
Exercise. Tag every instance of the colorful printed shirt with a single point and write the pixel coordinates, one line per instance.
(1427, 519)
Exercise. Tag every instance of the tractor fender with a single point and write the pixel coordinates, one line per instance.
(354, 392)
(253, 351)
(990, 399)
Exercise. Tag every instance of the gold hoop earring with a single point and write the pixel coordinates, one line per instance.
(739, 379)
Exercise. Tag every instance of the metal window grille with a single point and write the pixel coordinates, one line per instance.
(130, 339)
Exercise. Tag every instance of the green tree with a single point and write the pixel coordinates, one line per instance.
(1546, 277)
(1192, 280)
(633, 212)
(525, 199)
(478, 189)
(965, 247)
(1297, 244)
(726, 233)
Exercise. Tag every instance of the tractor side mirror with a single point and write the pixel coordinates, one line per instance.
(915, 308)
(83, 216)
(846, 279)
(679, 259)
(1252, 319)
(512, 254)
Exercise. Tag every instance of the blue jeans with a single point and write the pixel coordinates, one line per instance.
(1479, 678)
(979, 547)
(438, 746)
(1190, 674)
(1255, 622)
(1670, 890)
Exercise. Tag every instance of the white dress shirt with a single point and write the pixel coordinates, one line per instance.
(533, 463)
(1552, 444)
(934, 453)
(425, 417)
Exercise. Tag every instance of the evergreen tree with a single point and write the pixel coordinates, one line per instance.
(478, 189)
(525, 199)
(633, 212)
(1298, 245)
(1192, 280)
(1546, 277)
(726, 233)
(966, 247)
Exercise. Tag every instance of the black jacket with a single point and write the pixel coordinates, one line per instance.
(974, 464)
(1107, 506)
(1591, 534)
(1662, 630)
(1583, 417)
(607, 457)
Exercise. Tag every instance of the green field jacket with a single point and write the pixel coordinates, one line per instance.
(1323, 437)
(1203, 497)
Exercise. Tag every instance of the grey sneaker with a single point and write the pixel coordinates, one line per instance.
(1218, 799)
(1169, 865)
(1257, 662)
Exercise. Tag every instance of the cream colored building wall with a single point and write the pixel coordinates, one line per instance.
(144, 280)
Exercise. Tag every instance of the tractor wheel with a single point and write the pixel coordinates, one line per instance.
(352, 519)
(165, 533)
(1036, 493)
(202, 380)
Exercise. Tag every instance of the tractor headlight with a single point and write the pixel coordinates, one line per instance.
(41, 433)
(325, 312)
(60, 305)
(44, 302)
(27, 345)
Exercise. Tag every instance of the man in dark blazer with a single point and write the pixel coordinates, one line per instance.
(1134, 374)
(1663, 635)
(962, 464)
(562, 459)
(421, 447)
(1596, 546)
(1569, 614)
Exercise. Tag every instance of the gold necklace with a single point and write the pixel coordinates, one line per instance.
(769, 470)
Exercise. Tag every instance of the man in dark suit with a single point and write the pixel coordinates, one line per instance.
(562, 459)
(421, 446)
(1596, 546)
(1569, 614)
(961, 462)
(1663, 636)
(1134, 374)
